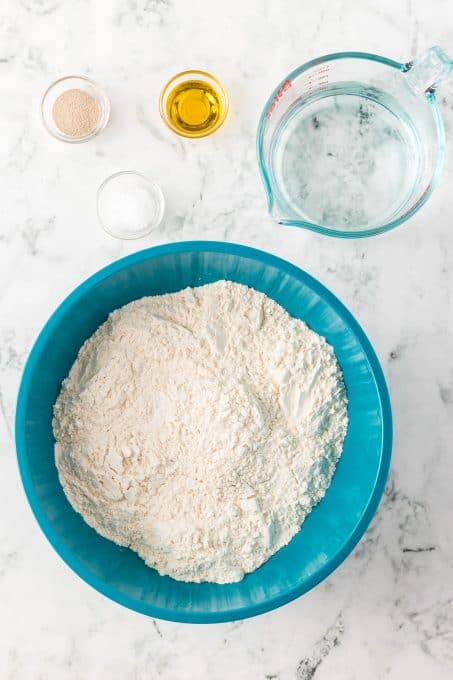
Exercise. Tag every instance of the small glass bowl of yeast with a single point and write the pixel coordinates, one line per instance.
(74, 109)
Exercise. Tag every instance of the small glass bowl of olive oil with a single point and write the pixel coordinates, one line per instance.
(193, 104)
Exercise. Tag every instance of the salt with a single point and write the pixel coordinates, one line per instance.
(129, 205)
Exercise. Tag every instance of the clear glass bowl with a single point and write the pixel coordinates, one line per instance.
(195, 75)
(70, 83)
(129, 205)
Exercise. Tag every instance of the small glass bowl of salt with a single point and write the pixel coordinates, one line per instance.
(129, 205)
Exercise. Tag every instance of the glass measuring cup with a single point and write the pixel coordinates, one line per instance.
(352, 144)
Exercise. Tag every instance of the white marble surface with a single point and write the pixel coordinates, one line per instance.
(387, 612)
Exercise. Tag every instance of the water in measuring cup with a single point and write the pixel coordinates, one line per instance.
(346, 158)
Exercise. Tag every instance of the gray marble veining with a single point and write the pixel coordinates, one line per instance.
(387, 612)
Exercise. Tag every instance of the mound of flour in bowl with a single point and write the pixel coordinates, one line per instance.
(200, 428)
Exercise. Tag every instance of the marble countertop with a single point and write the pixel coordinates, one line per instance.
(387, 612)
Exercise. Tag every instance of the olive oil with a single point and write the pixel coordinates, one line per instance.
(193, 106)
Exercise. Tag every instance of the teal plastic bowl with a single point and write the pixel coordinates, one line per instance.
(333, 528)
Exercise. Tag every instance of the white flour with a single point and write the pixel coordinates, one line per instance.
(200, 428)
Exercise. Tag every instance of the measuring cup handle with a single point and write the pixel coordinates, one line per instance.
(428, 70)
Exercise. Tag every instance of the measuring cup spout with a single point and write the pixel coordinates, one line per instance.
(272, 206)
(428, 70)
(276, 213)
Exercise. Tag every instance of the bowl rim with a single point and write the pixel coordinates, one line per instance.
(71, 559)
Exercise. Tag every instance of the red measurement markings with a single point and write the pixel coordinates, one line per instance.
(286, 85)
(323, 82)
(317, 80)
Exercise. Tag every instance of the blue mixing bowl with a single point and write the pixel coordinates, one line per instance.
(333, 528)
